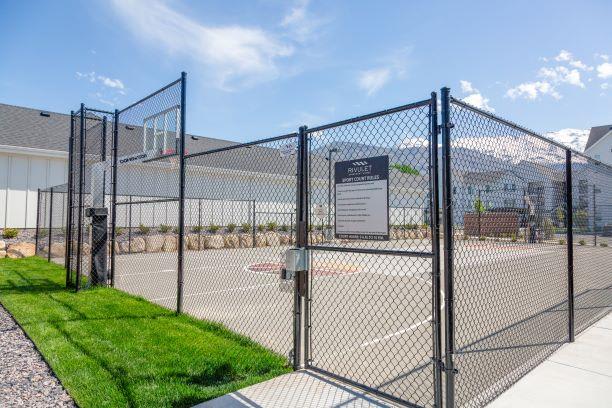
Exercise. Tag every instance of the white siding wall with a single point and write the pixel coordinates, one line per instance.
(21, 175)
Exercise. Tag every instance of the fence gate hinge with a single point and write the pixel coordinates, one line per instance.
(442, 367)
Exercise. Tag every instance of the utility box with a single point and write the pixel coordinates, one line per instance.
(99, 239)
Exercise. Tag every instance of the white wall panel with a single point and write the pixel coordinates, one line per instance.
(17, 191)
(4, 175)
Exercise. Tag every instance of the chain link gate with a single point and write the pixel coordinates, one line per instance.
(373, 301)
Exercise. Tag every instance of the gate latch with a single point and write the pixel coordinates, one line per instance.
(296, 260)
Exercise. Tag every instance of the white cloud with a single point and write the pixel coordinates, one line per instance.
(301, 23)
(531, 90)
(466, 87)
(475, 98)
(604, 70)
(561, 74)
(235, 55)
(566, 56)
(574, 138)
(90, 76)
(374, 79)
(111, 83)
(605, 86)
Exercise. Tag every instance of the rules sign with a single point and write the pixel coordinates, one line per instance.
(362, 199)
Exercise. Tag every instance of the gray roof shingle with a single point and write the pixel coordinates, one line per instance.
(597, 133)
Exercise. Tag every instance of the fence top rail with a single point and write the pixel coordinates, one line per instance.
(160, 90)
(414, 105)
(242, 145)
(99, 111)
(523, 129)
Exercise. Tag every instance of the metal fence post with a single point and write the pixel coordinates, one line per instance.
(570, 243)
(435, 249)
(181, 234)
(130, 225)
(253, 220)
(50, 224)
(80, 192)
(114, 153)
(37, 221)
(449, 321)
(68, 260)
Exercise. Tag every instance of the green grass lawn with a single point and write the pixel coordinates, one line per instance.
(111, 349)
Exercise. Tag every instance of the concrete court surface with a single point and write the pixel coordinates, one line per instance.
(579, 374)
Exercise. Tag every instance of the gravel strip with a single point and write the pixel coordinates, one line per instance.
(25, 378)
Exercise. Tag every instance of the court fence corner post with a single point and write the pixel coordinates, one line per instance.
(50, 235)
(114, 153)
(70, 203)
(181, 203)
(570, 243)
(447, 199)
(37, 221)
(81, 189)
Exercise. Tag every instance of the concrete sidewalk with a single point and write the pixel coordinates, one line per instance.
(579, 374)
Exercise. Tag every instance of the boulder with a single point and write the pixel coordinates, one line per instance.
(21, 250)
(154, 243)
(85, 249)
(58, 249)
(213, 241)
(246, 240)
(260, 240)
(285, 239)
(170, 244)
(2, 254)
(231, 241)
(272, 239)
(2, 245)
(137, 245)
(193, 242)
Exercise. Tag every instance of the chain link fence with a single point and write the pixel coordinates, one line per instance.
(386, 298)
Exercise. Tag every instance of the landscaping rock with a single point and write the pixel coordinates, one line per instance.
(138, 245)
(285, 239)
(58, 249)
(193, 242)
(272, 239)
(2, 245)
(25, 379)
(85, 249)
(213, 241)
(154, 243)
(21, 250)
(246, 240)
(260, 240)
(170, 244)
(2, 254)
(231, 241)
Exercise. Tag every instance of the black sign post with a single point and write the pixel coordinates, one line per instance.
(362, 199)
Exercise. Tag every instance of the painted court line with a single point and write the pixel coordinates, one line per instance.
(214, 292)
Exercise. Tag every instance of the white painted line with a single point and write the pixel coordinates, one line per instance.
(214, 292)
(146, 273)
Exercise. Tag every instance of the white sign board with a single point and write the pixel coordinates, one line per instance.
(362, 199)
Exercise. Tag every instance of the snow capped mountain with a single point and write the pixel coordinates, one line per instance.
(574, 138)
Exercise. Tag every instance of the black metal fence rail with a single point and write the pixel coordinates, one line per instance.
(429, 314)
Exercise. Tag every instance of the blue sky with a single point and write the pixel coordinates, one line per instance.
(262, 68)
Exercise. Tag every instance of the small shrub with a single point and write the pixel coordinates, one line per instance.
(410, 226)
(603, 244)
(284, 228)
(231, 227)
(9, 233)
(175, 230)
(196, 229)
(118, 231)
(561, 242)
(144, 230)
(482, 238)
(41, 233)
(582, 242)
(261, 227)
(163, 228)
(213, 228)
(466, 237)
(246, 227)
(271, 226)
(513, 237)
